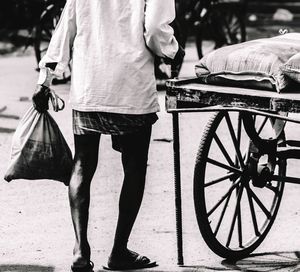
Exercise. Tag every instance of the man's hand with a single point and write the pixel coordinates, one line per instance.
(179, 56)
(177, 62)
(40, 98)
(178, 59)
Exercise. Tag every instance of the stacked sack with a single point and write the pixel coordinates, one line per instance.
(270, 64)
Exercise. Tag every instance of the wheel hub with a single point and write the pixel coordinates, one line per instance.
(264, 175)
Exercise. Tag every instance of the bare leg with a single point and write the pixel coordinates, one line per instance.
(134, 148)
(85, 163)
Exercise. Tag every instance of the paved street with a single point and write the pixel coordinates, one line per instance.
(35, 226)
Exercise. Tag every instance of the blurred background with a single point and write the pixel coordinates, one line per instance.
(26, 26)
(36, 228)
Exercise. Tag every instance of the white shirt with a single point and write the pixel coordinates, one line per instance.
(112, 45)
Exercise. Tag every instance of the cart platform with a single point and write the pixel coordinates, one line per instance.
(190, 93)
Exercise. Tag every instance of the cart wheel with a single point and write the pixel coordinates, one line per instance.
(224, 25)
(233, 215)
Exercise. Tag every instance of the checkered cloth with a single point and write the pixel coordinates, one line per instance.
(110, 123)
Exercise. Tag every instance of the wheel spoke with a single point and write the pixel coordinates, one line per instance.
(230, 34)
(253, 215)
(260, 204)
(235, 216)
(239, 131)
(273, 189)
(235, 142)
(262, 125)
(239, 221)
(222, 165)
(222, 148)
(231, 26)
(234, 28)
(234, 24)
(217, 180)
(222, 214)
(222, 199)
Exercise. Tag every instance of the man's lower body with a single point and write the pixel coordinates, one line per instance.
(131, 137)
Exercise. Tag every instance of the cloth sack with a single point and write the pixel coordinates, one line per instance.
(253, 64)
(39, 150)
(292, 68)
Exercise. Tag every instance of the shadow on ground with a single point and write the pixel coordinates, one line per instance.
(261, 262)
(25, 268)
(267, 261)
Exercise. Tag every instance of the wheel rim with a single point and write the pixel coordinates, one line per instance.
(233, 215)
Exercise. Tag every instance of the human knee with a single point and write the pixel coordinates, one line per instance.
(81, 179)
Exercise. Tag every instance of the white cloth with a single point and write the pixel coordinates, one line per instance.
(112, 45)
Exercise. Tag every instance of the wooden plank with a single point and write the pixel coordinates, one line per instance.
(190, 94)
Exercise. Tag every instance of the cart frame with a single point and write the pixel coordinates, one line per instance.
(189, 95)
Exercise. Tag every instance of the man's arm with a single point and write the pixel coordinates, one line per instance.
(58, 55)
(61, 44)
(159, 35)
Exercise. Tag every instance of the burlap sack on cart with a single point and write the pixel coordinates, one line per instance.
(39, 150)
(254, 64)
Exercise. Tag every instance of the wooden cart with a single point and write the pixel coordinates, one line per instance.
(240, 169)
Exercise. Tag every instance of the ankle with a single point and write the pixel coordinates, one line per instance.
(119, 249)
(81, 253)
(79, 261)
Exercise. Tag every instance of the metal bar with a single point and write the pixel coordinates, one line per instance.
(286, 179)
(235, 109)
(288, 153)
(177, 182)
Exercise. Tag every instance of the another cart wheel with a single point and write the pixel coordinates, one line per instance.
(233, 26)
(224, 25)
(44, 31)
(234, 215)
(45, 28)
